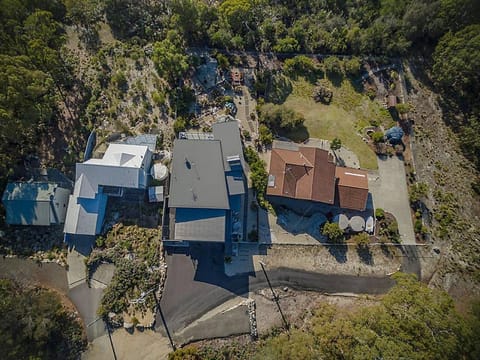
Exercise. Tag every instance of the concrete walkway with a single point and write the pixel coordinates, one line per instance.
(87, 299)
(389, 192)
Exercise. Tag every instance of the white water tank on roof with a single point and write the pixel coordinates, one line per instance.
(357, 223)
(159, 172)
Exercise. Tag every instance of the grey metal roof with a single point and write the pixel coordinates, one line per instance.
(228, 133)
(149, 140)
(85, 216)
(198, 177)
(235, 182)
(200, 225)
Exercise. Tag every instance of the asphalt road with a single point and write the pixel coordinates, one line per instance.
(197, 284)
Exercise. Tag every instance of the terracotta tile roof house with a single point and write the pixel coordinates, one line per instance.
(352, 188)
(306, 173)
(309, 173)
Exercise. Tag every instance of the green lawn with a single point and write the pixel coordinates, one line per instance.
(349, 112)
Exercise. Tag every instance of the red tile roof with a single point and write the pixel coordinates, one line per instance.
(308, 174)
(352, 188)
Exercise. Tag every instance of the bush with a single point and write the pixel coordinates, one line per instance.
(378, 137)
(322, 94)
(179, 125)
(403, 108)
(258, 174)
(333, 232)
(120, 81)
(379, 213)
(418, 191)
(265, 135)
(362, 240)
(158, 98)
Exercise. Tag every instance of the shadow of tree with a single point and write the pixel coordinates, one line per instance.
(365, 255)
(298, 134)
(339, 252)
(386, 251)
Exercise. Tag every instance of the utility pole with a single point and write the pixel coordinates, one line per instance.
(110, 338)
(164, 322)
(285, 323)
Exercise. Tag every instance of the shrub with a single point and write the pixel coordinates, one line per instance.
(418, 191)
(179, 125)
(362, 240)
(379, 213)
(333, 232)
(403, 108)
(378, 137)
(100, 242)
(158, 98)
(120, 81)
(265, 136)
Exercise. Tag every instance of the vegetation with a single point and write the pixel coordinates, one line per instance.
(35, 325)
(137, 255)
(280, 118)
(412, 320)
(333, 232)
(31, 71)
(265, 135)
(362, 240)
(258, 175)
(379, 213)
(418, 191)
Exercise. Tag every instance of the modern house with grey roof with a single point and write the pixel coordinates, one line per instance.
(208, 187)
(122, 167)
(35, 203)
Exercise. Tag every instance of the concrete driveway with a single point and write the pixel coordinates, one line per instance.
(389, 192)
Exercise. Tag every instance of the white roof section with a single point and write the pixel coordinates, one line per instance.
(123, 155)
(122, 166)
(159, 172)
(155, 194)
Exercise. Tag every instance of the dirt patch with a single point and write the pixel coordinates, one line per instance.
(340, 260)
(452, 207)
(297, 304)
(146, 345)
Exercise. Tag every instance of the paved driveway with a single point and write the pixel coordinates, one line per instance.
(389, 192)
(196, 283)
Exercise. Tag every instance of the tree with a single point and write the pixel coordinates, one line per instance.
(362, 240)
(456, 63)
(286, 45)
(266, 136)
(170, 60)
(333, 65)
(333, 232)
(352, 66)
(179, 125)
(35, 325)
(300, 65)
(412, 321)
(335, 145)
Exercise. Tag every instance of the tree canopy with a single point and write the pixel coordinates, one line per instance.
(36, 326)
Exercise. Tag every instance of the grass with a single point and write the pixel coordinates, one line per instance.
(349, 112)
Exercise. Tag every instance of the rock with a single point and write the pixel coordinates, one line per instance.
(127, 325)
